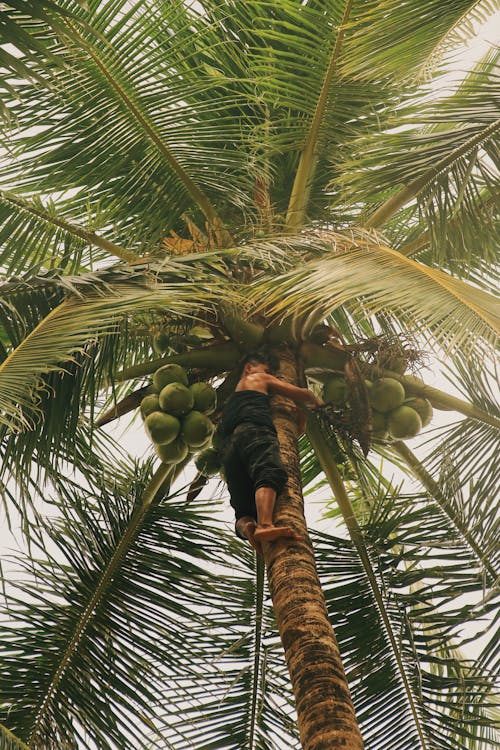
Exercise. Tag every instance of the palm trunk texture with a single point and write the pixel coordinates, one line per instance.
(325, 711)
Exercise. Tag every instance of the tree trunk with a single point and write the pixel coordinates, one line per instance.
(326, 718)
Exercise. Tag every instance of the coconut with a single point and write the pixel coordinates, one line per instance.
(386, 394)
(205, 397)
(162, 428)
(410, 382)
(176, 399)
(174, 452)
(149, 404)
(423, 407)
(197, 335)
(393, 362)
(334, 391)
(208, 462)
(196, 428)
(161, 342)
(217, 439)
(169, 374)
(379, 425)
(404, 423)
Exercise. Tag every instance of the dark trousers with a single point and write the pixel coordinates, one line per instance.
(251, 459)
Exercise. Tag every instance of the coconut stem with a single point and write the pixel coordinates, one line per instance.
(127, 404)
(219, 358)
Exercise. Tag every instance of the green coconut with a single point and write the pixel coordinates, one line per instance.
(162, 428)
(410, 382)
(404, 423)
(149, 404)
(335, 390)
(393, 362)
(169, 374)
(386, 394)
(161, 342)
(379, 425)
(208, 462)
(196, 428)
(204, 396)
(423, 407)
(217, 439)
(174, 452)
(197, 335)
(176, 399)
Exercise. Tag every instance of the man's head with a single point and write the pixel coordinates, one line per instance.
(256, 360)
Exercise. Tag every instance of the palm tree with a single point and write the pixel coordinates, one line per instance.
(262, 170)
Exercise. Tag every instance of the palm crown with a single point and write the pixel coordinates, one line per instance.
(256, 168)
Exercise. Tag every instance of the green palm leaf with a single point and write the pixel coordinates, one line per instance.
(109, 574)
(112, 81)
(64, 331)
(10, 741)
(371, 278)
(31, 233)
(72, 653)
(390, 38)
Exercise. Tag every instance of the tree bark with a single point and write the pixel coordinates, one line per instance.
(325, 712)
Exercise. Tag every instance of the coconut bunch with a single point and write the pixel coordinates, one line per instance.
(176, 414)
(396, 414)
(166, 338)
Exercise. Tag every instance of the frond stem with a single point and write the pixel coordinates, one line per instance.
(308, 159)
(220, 357)
(334, 479)
(397, 201)
(18, 744)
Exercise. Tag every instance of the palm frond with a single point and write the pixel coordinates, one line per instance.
(86, 549)
(369, 278)
(445, 160)
(109, 91)
(390, 38)
(32, 233)
(132, 630)
(308, 159)
(416, 588)
(9, 741)
(369, 659)
(63, 332)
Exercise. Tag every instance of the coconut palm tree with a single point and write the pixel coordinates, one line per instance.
(182, 183)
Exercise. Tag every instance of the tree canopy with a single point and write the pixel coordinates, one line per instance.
(254, 169)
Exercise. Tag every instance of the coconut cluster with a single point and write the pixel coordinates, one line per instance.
(176, 415)
(164, 338)
(396, 414)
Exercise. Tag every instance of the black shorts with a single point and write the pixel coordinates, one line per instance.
(251, 459)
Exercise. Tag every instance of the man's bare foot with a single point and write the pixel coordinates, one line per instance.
(270, 533)
(247, 529)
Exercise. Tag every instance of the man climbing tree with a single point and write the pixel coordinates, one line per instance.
(252, 465)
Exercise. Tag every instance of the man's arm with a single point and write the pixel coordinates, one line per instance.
(299, 395)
